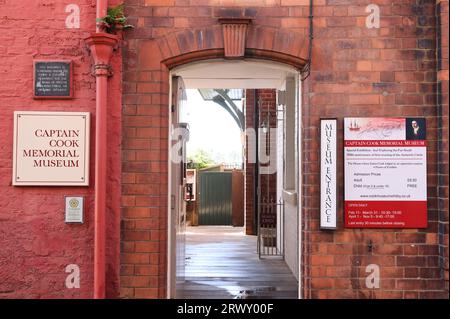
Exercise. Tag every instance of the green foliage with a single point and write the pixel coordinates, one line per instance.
(115, 20)
(200, 159)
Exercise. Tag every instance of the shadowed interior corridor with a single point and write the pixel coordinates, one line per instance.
(222, 262)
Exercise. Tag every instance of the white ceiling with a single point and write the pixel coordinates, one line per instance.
(230, 74)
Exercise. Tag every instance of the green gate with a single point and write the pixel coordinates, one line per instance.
(215, 198)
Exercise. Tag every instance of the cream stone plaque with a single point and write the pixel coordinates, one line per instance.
(51, 148)
(74, 209)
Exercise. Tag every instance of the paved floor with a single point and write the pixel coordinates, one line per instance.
(221, 262)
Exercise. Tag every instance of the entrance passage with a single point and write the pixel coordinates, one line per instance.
(215, 198)
(211, 254)
(221, 262)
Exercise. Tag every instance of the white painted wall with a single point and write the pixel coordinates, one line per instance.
(290, 188)
(280, 170)
(291, 236)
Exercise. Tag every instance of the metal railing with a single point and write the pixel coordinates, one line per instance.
(271, 228)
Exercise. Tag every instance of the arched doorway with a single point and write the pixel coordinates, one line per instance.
(146, 97)
(248, 74)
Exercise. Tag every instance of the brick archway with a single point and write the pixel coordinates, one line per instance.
(145, 138)
(262, 43)
(188, 46)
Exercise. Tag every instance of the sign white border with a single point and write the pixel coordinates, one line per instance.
(84, 181)
(328, 169)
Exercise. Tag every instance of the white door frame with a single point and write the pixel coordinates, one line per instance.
(299, 180)
(171, 252)
(171, 246)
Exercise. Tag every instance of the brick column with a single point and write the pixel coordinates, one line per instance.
(442, 105)
(267, 111)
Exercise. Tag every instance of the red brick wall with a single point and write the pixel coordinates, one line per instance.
(370, 72)
(389, 71)
(268, 114)
(442, 91)
(268, 183)
(36, 244)
(169, 33)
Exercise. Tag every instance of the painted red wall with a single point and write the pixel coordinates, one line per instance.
(35, 243)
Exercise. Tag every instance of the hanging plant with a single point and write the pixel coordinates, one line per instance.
(114, 21)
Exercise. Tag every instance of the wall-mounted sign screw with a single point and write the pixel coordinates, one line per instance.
(370, 246)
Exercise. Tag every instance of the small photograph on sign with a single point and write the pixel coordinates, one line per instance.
(374, 128)
(416, 129)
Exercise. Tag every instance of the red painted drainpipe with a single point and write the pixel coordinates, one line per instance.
(101, 47)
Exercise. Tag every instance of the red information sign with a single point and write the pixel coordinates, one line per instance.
(385, 173)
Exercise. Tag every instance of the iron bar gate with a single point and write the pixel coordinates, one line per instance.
(271, 228)
(270, 217)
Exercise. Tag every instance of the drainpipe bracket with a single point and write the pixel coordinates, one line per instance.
(101, 46)
(102, 70)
